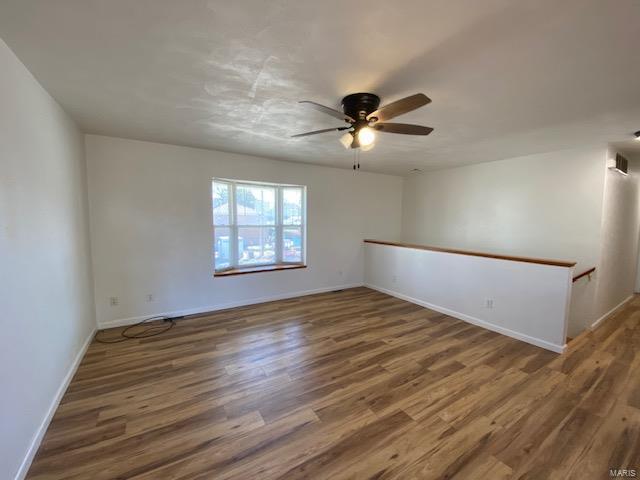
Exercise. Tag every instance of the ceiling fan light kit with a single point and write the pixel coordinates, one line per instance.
(362, 113)
(366, 137)
(346, 140)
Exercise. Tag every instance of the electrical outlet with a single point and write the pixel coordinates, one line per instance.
(395, 279)
(113, 301)
(488, 303)
(150, 297)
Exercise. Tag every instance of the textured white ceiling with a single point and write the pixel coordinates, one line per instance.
(507, 77)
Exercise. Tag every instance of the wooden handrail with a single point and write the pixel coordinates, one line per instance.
(541, 261)
(584, 274)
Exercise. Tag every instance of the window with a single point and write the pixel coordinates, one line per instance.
(256, 225)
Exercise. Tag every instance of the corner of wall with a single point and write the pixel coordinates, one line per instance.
(87, 204)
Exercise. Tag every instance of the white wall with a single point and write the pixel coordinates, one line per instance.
(547, 205)
(616, 271)
(45, 278)
(151, 227)
(530, 301)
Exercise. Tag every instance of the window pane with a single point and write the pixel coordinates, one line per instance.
(292, 206)
(222, 251)
(256, 205)
(221, 207)
(292, 244)
(256, 245)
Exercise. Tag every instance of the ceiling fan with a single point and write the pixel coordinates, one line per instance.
(361, 112)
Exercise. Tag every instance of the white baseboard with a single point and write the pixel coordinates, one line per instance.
(39, 435)
(213, 308)
(475, 321)
(595, 324)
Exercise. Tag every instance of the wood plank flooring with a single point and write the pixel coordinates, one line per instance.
(352, 384)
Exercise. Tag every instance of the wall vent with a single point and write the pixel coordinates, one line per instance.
(620, 164)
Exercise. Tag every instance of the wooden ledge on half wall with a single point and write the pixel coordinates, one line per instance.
(541, 261)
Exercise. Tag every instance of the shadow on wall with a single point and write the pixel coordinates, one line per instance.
(618, 262)
(615, 278)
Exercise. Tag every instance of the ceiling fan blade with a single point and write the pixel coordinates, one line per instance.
(315, 132)
(404, 105)
(329, 111)
(404, 128)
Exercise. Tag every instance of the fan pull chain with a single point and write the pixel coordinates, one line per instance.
(356, 158)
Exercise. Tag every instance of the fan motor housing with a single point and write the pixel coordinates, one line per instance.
(359, 105)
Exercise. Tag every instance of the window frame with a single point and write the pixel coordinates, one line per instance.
(279, 226)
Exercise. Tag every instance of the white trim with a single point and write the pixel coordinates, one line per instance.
(213, 308)
(42, 429)
(475, 321)
(595, 324)
(279, 229)
(233, 227)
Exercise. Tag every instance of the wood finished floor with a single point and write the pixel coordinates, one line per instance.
(352, 384)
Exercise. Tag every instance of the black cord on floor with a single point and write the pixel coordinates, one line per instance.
(146, 333)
